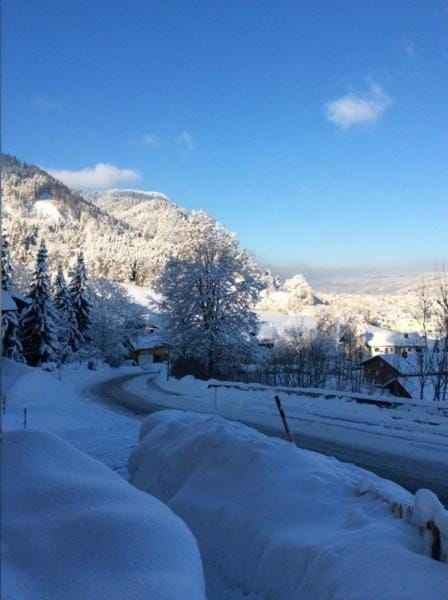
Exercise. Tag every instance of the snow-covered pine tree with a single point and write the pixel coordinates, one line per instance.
(69, 336)
(6, 265)
(80, 297)
(38, 323)
(11, 345)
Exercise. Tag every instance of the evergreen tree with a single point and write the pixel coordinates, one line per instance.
(80, 297)
(11, 345)
(6, 265)
(38, 324)
(69, 336)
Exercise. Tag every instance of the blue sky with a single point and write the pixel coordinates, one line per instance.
(317, 130)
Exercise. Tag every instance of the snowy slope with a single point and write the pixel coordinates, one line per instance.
(276, 522)
(72, 529)
(48, 209)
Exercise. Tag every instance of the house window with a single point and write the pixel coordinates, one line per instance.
(406, 335)
(377, 349)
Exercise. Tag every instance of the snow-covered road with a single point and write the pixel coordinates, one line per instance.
(396, 455)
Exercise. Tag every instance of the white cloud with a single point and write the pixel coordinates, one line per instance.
(185, 140)
(101, 176)
(358, 109)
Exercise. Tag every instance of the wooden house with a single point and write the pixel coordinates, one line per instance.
(406, 376)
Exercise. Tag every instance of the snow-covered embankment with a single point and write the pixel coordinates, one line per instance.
(274, 521)
(72, 529)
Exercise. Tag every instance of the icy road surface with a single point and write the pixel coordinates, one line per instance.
(411, 458)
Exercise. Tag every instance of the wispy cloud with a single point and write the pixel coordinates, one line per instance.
(100, 176)
(45, 103)
(150, 140)
(356, 109)
(185, 140)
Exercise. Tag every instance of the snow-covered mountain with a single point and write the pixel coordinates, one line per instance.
(150, 213)
(120, 231)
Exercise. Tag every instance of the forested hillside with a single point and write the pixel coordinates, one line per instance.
(125, 235)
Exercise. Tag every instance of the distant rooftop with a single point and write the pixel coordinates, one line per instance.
(379, 336)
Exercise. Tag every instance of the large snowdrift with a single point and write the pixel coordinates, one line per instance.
(73, 529)
(274, 521)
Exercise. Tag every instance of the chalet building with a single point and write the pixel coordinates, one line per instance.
(402, 375)
(379, 340)
(149, 348)
(386, 341)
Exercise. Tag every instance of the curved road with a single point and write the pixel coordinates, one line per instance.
(412, 474)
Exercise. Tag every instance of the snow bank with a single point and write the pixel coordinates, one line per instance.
(48, 401)
(273, 521)
(51, 405)
(71, 528)
(64, 407)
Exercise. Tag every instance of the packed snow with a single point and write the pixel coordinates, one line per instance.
(274, 521)
(73, 529)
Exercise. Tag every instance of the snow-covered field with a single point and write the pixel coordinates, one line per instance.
(274, 521)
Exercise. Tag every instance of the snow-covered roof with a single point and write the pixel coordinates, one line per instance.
(412, 385)
(408, 365)
(412, 364)
(148, 341)
(7, 301)
(379, 336)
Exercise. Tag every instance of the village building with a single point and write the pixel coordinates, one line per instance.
(413, 376)
(149, 347)
(387, 341)
(379, 340)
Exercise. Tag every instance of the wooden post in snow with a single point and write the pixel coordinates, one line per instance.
(285, 422)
